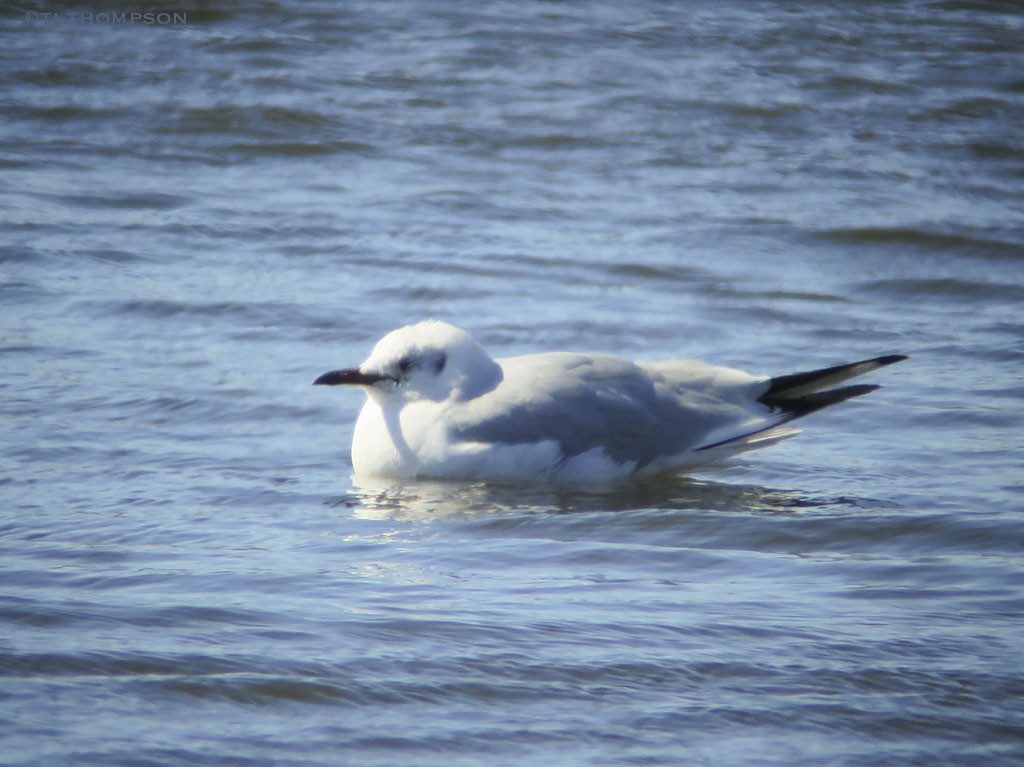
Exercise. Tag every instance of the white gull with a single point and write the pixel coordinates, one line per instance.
(439, 406)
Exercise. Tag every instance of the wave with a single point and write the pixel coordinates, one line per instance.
(924, 239)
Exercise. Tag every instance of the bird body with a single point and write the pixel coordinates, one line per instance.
(439, 406)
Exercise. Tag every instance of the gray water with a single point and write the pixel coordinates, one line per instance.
(201, 217)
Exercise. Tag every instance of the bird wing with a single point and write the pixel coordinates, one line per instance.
(635, 412)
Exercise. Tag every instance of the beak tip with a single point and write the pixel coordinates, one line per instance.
(333, 378)
(349, 376)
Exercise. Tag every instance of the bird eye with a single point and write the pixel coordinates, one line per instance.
(405, 365)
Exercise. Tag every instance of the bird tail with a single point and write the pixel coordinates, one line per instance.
(794, 396)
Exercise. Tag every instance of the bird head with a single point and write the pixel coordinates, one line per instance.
(430, 360)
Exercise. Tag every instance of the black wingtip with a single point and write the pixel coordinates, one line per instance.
(802, 393)
(889, 359)
(791, 387)
(809, 403)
